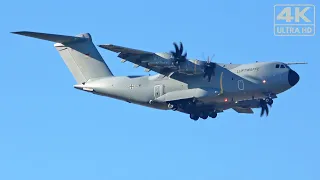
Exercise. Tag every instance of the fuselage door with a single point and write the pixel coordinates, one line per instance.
(241, 85)
(158, 91)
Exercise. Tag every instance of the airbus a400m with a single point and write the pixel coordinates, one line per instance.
(201, 89)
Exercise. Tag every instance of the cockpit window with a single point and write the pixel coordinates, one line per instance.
(282, 66)
(277, 66)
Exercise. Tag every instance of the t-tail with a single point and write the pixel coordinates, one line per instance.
(79, 54)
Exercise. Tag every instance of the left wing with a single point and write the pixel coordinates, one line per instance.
(243, 110)
(148, 60)
(162, 63)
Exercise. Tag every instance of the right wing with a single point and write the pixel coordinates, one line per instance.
(243, 110)
(294, 63)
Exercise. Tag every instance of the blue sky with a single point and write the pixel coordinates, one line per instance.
(49, 130)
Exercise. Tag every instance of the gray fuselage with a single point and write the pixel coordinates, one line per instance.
(239, 82)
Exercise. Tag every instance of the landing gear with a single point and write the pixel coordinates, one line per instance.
(186, 105)
(204, 115)
(190, 105)
(194, 117)
(213, 114)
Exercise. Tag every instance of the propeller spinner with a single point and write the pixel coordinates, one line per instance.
(177, 54)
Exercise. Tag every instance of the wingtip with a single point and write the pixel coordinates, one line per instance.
(104, 45)
(20, 32)
(16, 32)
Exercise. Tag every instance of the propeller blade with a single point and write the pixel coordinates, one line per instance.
(181, 48)
(177, 55)
(173, 53)
(185, 55)
(209, 69)
(176, 48)
(262, 112)
(267, 110)
(213, 55)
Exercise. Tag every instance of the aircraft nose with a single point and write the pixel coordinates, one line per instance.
(293, 77)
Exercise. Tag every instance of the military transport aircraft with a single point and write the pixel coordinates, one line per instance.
(198, 88)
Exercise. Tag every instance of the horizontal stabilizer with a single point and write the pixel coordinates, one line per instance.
(54, 37)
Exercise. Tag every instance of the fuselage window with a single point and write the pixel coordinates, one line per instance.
(277, 66)
(282, 66)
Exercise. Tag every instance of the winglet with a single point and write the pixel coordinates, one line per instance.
(54, 37)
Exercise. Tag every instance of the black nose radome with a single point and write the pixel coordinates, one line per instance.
(293, 77)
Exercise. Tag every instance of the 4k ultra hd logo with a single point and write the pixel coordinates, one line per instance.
(294, 20)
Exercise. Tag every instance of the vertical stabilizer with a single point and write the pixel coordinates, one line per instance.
(79, 54)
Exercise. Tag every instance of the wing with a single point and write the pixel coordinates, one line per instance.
(159, 62)
(243, 110)
(125, 50)
(148, 60)
(294, 63)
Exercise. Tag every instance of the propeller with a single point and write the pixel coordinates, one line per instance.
(177, 54)
(264, 103)
(209, 69)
